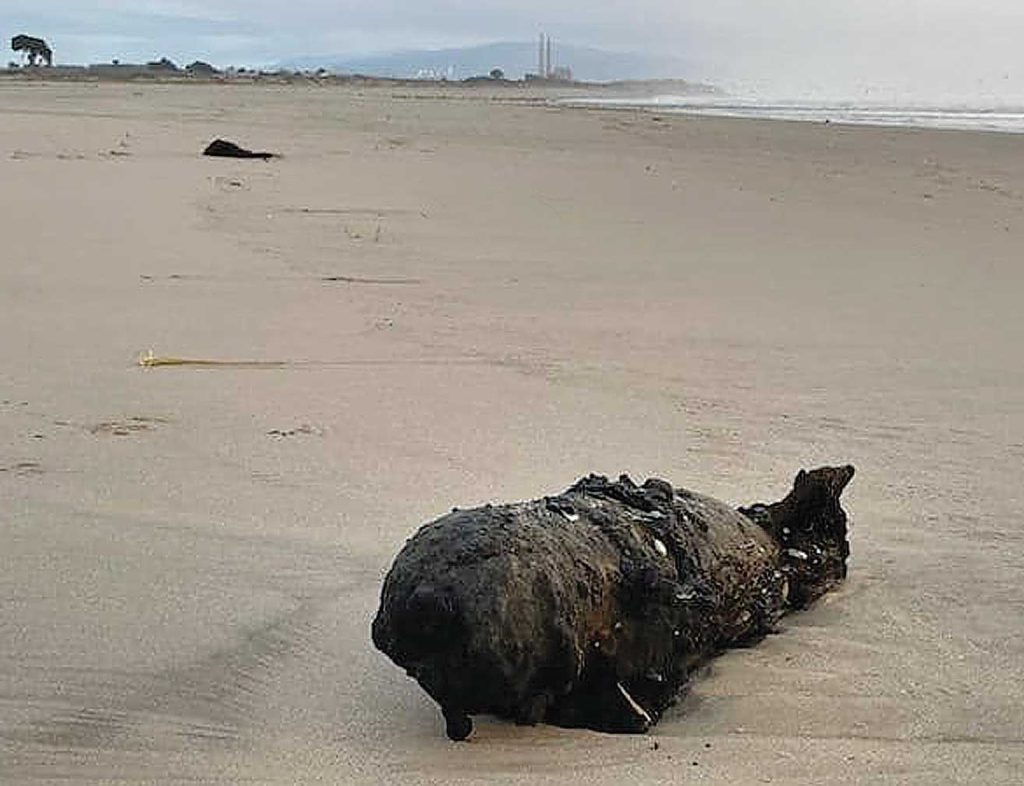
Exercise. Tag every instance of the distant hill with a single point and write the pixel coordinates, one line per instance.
(514, 58)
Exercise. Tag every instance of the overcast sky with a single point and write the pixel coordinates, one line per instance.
(956, 49)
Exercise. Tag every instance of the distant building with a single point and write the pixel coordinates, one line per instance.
(545, 63)
(435, 74)
(163, 64)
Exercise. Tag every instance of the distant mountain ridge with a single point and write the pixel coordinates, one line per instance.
(515, 58)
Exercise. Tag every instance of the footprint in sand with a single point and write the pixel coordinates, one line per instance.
(126, 427)
(304, 430)
(23, 469)
(231, 184)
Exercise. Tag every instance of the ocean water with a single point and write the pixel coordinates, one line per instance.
(1004, 119)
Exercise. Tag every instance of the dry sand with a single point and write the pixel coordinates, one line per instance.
(461, 300)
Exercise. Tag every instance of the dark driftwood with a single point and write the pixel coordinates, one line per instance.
(222, 148)
(592, 608)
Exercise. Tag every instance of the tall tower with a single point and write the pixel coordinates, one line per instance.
(541, 70)
(548, 69)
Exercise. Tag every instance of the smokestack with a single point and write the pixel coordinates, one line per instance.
(547, 73)
(540, 57)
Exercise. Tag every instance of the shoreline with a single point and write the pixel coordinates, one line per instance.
(984, 120)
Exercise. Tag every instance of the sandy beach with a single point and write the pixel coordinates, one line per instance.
(443, 297)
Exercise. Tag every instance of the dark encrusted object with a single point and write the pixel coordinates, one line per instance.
(222, 148)
(592, 608)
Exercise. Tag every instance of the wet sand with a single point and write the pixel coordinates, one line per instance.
(440, 299)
